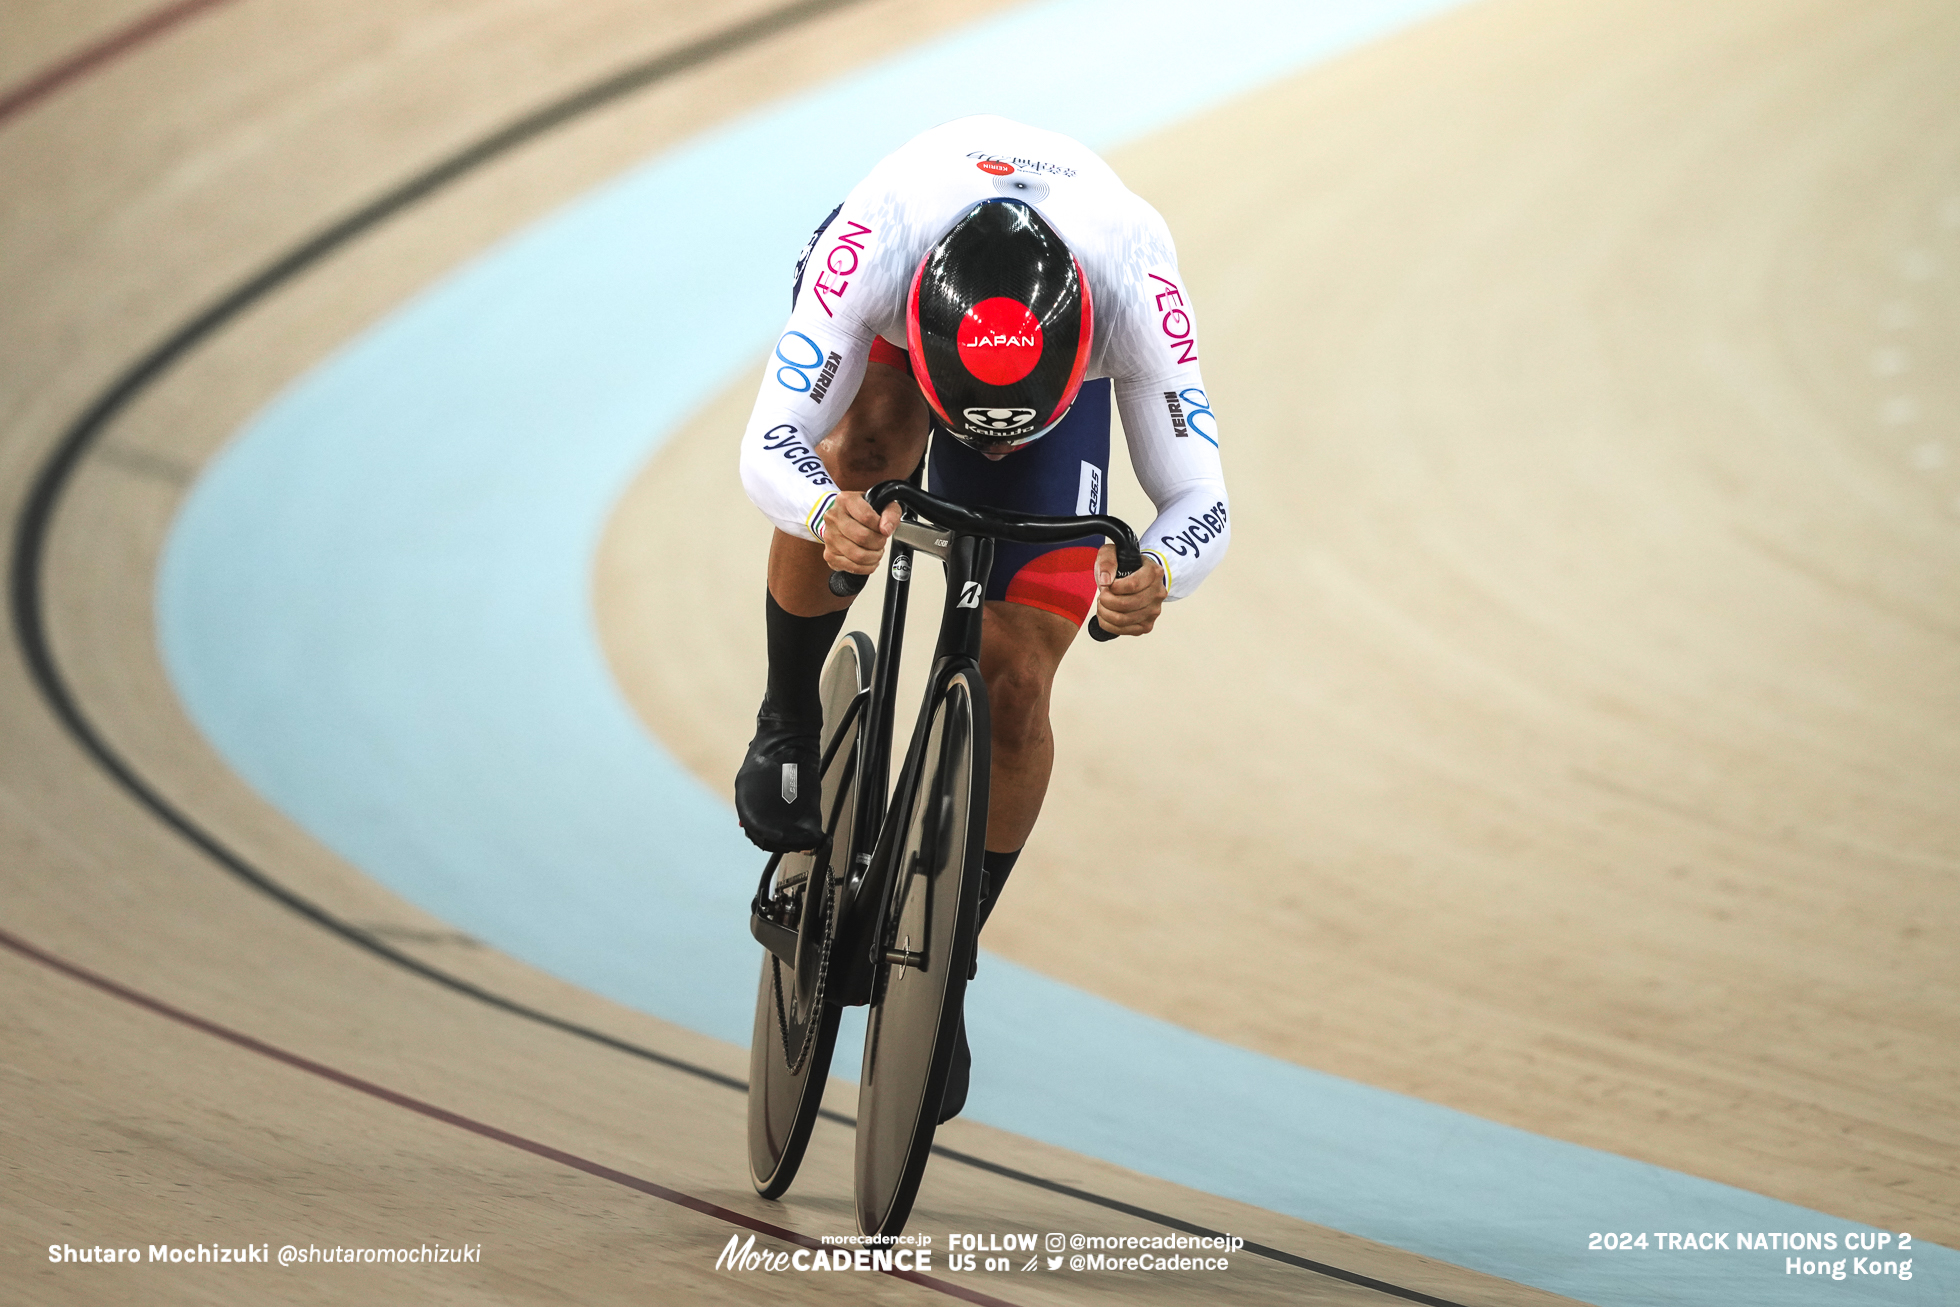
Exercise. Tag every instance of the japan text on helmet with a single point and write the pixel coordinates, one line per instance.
(999, 322)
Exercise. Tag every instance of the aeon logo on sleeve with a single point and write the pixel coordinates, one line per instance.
(840, 264)
(999, 341)
(1174, 318)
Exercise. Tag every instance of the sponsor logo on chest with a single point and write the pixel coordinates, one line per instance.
(1002, 164)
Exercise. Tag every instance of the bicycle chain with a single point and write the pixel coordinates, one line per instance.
(797, 1059)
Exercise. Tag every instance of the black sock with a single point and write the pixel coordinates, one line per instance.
(994, 868)
(997, 866)
(797, 648)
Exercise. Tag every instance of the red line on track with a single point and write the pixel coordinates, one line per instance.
(447, 1117)
(121, 41)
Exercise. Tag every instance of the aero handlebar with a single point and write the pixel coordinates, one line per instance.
(1026, 528)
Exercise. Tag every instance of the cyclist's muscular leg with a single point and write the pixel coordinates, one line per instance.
(1020, 649)
(881, 435)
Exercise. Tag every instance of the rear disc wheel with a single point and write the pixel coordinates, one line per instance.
(795, 1024)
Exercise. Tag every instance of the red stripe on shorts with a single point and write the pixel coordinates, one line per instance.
(883, 351)
(1061, 581)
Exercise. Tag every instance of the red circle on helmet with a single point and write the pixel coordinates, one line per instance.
(1000, 340)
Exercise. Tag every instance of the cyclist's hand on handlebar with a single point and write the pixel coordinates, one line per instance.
(1128, 605)
(854, 533)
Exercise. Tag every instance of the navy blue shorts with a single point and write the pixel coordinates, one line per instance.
(1064, 473)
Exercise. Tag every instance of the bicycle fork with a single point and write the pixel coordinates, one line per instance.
(969, 561)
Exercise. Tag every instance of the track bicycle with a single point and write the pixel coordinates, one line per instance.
(884, 912)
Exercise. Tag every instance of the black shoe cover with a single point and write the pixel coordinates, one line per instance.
(957, 1079)
(778, 794)
(994, 868)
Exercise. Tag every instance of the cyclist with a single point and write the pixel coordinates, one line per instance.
(997, 284)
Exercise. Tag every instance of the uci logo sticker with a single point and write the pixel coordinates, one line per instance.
(998, 419)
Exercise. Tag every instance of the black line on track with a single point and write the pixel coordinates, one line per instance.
(35, 518)
(1187, 1227)
(36, 515)
(105, 49)
(422, 1107)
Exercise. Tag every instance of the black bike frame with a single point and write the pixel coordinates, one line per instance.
(964, 537)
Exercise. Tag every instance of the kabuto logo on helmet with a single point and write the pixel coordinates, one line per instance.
(999, 323)
(998, 419)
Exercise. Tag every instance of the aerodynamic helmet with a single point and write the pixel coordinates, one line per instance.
(999, 322)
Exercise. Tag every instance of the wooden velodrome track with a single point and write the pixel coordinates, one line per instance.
(1577, 720)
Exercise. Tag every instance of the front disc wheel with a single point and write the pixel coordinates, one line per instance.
(926, 951)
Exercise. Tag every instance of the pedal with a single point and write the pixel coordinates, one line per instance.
(780, 940)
